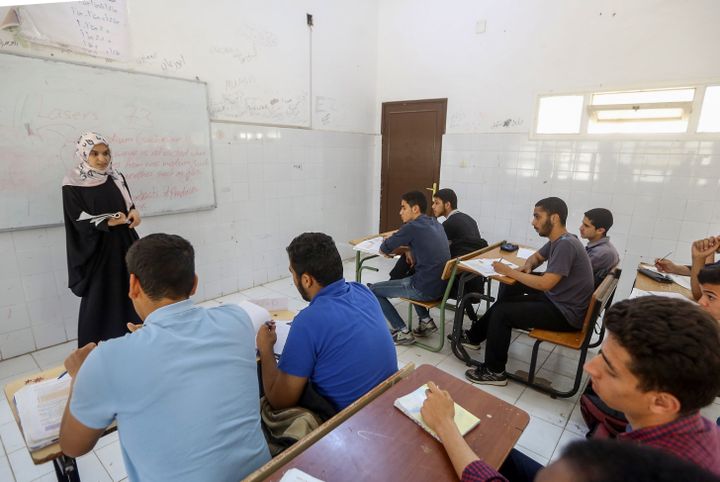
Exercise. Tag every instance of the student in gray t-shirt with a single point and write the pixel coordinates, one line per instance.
(555, 300)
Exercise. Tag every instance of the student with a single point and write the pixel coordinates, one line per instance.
(430, 251)
(603, 255)
(183, 389)
(461, 230)
(709, 281)
(702, 253)
(340, 342)
(582, 461)
(555, 300)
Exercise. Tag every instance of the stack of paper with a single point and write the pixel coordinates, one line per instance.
(260, 316)
(484, 266)
(40, 407)
(637, 293)
(411, 404)
(370, 246)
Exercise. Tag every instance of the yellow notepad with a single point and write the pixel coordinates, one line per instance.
(411, 404)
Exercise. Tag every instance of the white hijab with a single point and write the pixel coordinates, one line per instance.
(85, 175)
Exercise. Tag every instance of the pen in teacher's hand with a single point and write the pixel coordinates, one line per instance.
(62, 374)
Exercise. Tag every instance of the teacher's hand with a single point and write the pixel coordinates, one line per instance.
(134, 218)
(122, 219)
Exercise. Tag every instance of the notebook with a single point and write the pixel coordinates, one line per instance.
(40, 408)
(411, 404)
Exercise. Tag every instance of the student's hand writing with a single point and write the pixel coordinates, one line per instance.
(121, 219)
(665, 266)
(75, 360)
(501, 268)
(133, 327)
(133, 218)
(266, 337)
(703, 248)
(438, 407)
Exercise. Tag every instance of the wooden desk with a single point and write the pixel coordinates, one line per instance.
(646, 283)
(494, 254)
(361, 257)
(65, 467)
(380, 443)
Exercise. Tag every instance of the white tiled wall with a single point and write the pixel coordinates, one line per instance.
(663, 194)
(271, 184)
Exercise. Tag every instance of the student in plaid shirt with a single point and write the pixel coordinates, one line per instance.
(659, 365)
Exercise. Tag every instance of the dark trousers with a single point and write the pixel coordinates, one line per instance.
(518, 467)
(518, 306)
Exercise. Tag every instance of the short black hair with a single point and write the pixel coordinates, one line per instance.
(613, 460)
(316, 255)
(674, 347)
(447, 195)
(164, 264)
(709, 275)
(416, 198)
(554, 205)
(600, 218)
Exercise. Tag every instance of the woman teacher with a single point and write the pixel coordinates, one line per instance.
(100, 221)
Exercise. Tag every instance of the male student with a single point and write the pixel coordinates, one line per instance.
(430, 251)
(581, 461)
(657, 365)
(709, 281)
(183, 388)
(340, 342)
(461, 230)
(702, 253)
(603, 255)
(555, 300)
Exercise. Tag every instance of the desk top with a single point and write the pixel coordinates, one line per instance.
(45, 454)
(380, 442)
(497, 253)
(353, 242)
(646, 283)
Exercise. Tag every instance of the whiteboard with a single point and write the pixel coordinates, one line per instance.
(158, 129)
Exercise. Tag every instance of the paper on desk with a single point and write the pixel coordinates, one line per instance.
(259, 316)
(484, 266)
(637, 293)
(272, 304)
(40, 408)
(683, 281)
(370, 246)
(297, 475)
(525, 253)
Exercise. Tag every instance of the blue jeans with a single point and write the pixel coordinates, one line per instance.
(399, 288)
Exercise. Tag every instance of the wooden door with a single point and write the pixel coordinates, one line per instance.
(411, 143)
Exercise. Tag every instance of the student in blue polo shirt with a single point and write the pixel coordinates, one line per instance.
(429, 251)
(183, 388)
(339, 342)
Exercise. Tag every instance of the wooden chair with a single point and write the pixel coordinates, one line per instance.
(304, 443)
(577, 340)
(448, 275)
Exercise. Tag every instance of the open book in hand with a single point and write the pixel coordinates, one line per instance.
(260, 316)
(97, 218)
(411, 404)
(40, 408)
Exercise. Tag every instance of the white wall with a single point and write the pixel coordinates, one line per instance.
(663, 193)
(271, 183)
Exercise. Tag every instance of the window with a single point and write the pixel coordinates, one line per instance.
(710, 113)
(560, 114)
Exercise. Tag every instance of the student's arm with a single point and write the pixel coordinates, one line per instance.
(281, 389)
(77, 439)
(438, 412)
(532, 262)
(701, 251)
(667, 266)
(400, 238)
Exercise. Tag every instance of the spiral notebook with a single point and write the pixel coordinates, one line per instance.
(411, 404)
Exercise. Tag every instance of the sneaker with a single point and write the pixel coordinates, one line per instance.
(425, 328)
(403, 338)
(483, 376)
(467, 343)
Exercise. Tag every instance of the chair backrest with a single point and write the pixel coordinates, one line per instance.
(599, 300)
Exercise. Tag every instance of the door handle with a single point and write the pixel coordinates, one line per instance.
(433, 188)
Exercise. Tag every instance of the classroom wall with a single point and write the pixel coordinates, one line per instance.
(271, 183)
(662, 192)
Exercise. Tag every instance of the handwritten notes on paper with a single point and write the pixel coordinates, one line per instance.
(95, 27)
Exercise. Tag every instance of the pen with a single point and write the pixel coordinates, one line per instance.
(62, 374)
(665, 256)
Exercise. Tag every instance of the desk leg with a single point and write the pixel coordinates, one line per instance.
(359, 261)
(66, 469)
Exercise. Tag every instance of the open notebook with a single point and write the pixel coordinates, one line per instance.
(40, 408)
(260, 316)
(411, 404)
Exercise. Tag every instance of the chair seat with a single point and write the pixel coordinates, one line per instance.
(425, 304)
(570, 339)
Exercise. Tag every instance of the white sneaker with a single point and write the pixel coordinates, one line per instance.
(425, 328)
(403, 338)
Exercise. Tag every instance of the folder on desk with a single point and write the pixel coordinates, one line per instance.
(411, 404)
(40, 408)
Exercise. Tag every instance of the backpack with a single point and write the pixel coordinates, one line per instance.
(603, 422)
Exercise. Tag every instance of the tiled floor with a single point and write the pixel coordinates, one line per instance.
(553, 422)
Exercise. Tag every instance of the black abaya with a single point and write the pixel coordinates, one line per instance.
(96, 262)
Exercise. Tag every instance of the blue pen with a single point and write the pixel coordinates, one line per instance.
(62, 374)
